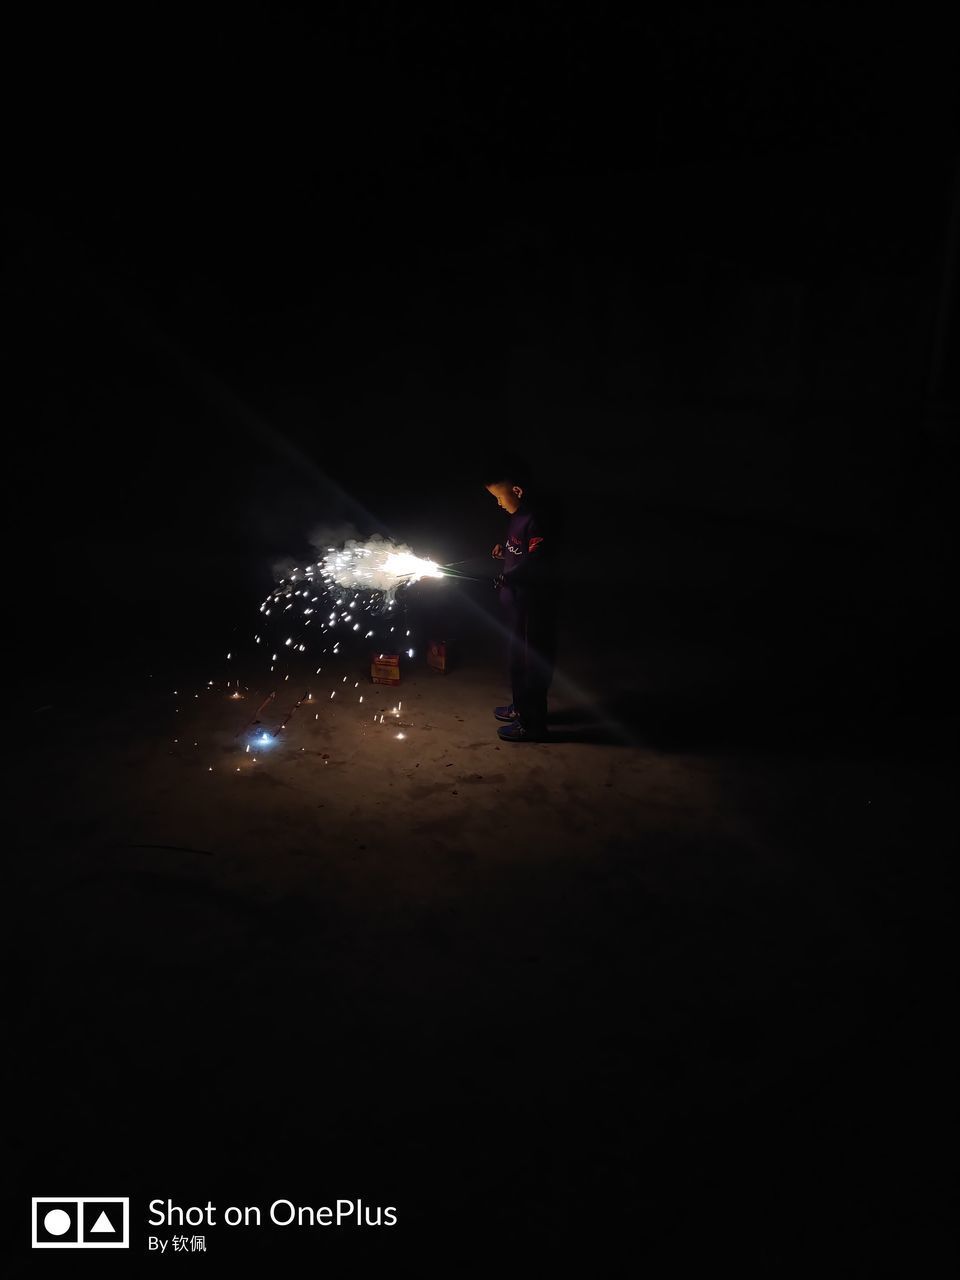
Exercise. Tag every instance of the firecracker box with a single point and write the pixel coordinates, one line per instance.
(385, 668)
(439, 655)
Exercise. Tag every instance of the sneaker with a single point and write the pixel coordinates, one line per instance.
(506, 713)
(517, 733)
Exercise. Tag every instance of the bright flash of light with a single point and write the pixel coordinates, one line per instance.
(406, 565)
(377, 565)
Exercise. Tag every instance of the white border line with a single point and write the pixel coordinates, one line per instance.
(78, 1243)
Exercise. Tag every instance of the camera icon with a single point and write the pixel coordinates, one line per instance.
(80, 1222)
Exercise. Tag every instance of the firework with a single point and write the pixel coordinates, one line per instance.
(353, 587)
(376, 565)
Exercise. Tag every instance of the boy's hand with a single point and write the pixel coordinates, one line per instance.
(497, 552)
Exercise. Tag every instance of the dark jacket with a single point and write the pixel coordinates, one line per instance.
(530, 558)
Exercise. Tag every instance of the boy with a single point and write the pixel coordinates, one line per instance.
(527, 590)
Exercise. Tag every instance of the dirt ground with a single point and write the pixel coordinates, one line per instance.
(680, 989)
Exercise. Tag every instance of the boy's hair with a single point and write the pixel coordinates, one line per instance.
(508, 468)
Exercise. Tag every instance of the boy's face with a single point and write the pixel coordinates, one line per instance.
(507, 495)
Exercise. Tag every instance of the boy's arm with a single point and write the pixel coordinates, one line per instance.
(534, 568)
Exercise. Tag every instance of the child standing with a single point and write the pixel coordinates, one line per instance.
(527, 590)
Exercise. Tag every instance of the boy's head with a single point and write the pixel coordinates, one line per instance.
(507, 479)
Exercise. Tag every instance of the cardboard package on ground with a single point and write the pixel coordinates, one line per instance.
(439, 655)
(385, 668)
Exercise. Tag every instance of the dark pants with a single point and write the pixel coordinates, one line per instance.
(533, 642)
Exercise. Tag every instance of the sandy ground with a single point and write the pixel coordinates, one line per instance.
(565, 993)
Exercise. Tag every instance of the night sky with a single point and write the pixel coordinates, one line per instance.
(288, 266)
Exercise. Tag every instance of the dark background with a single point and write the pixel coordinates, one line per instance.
(286, 266)
(698, 268)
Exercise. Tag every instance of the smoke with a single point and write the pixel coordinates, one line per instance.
(342, 559)
(378, 564)
(332, 535)
(320, 538)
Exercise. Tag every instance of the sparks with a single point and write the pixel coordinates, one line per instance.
(378, 565)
